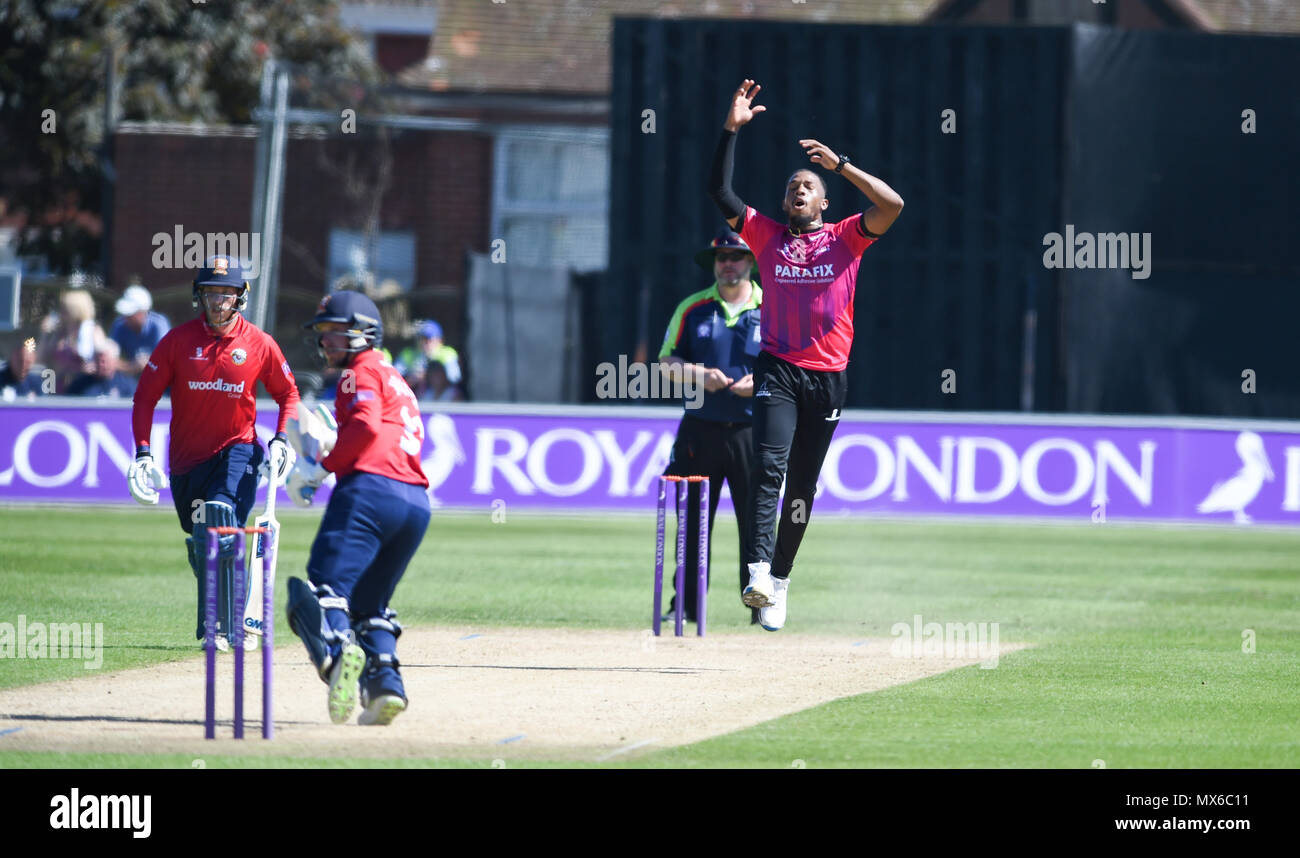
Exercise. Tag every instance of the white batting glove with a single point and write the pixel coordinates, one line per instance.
(313, 433)
(279, 459)
(304, 480)
(145, 477)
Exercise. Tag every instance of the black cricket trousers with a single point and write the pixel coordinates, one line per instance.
(796, 411)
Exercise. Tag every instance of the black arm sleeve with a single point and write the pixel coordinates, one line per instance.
(720, 177)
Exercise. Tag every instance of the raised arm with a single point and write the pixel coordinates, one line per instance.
(886, 203)
(741, 111)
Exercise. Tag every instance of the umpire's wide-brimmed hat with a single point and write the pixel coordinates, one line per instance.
(725, 240)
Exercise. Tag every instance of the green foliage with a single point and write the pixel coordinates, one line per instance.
(175, 61)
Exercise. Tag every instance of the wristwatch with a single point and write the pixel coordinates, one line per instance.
(844, 159)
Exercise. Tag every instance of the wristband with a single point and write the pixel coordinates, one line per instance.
(142, 450)
(844, 159)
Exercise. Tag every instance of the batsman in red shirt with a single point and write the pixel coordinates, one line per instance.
(809, 271)
(375, 520)
(212, 365)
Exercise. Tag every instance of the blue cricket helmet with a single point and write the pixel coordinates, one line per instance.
(221, 271)
(356, 311)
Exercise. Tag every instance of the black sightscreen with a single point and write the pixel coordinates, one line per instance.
(1106, 130)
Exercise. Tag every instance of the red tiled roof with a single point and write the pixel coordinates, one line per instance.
(563, 46)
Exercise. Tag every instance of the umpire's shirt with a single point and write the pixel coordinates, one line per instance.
(703, 331)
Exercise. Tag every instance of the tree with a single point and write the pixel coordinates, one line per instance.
(174, 61)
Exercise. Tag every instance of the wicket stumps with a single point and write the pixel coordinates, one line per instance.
(702, 566)
(238, 587)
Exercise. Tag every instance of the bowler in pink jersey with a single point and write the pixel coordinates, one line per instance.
(809, 270)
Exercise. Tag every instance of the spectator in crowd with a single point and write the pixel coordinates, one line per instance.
(416, 378)
(439, 384)
(107, 380)
(70, 338)
(429, 381)
(18, 376)
(138, 329)
(428, 348)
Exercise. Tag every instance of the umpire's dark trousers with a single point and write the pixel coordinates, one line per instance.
(718, 451)
(796, 411)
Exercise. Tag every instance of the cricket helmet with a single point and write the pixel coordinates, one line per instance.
(221, 271)
(359, 313)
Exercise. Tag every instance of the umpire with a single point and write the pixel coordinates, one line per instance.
(712, 340)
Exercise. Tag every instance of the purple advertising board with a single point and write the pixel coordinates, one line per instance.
(606, 458)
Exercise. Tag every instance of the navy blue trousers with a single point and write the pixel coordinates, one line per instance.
(371, 530)
(229, 477)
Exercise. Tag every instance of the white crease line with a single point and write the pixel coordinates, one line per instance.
(624, 750)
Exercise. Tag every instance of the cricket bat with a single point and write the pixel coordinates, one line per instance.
(256, 565)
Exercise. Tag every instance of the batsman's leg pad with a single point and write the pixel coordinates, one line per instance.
(217, 514)
(383, 696)
(194, 550)
(307, 608)
(378, 638)
(383, 676)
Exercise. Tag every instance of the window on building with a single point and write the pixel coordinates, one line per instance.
(551, 197)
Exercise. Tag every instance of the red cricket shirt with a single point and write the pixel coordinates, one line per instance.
(213, 380)
(380, 430)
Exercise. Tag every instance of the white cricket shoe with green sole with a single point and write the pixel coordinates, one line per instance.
(382, 710)
(344, 678)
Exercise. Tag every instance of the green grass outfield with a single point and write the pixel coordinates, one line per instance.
(1137, 632)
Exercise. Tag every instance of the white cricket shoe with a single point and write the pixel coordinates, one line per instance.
(250, 642)
(382, 710)
(222, 644)
(772, 617)
(758, 593)
(344, 685)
